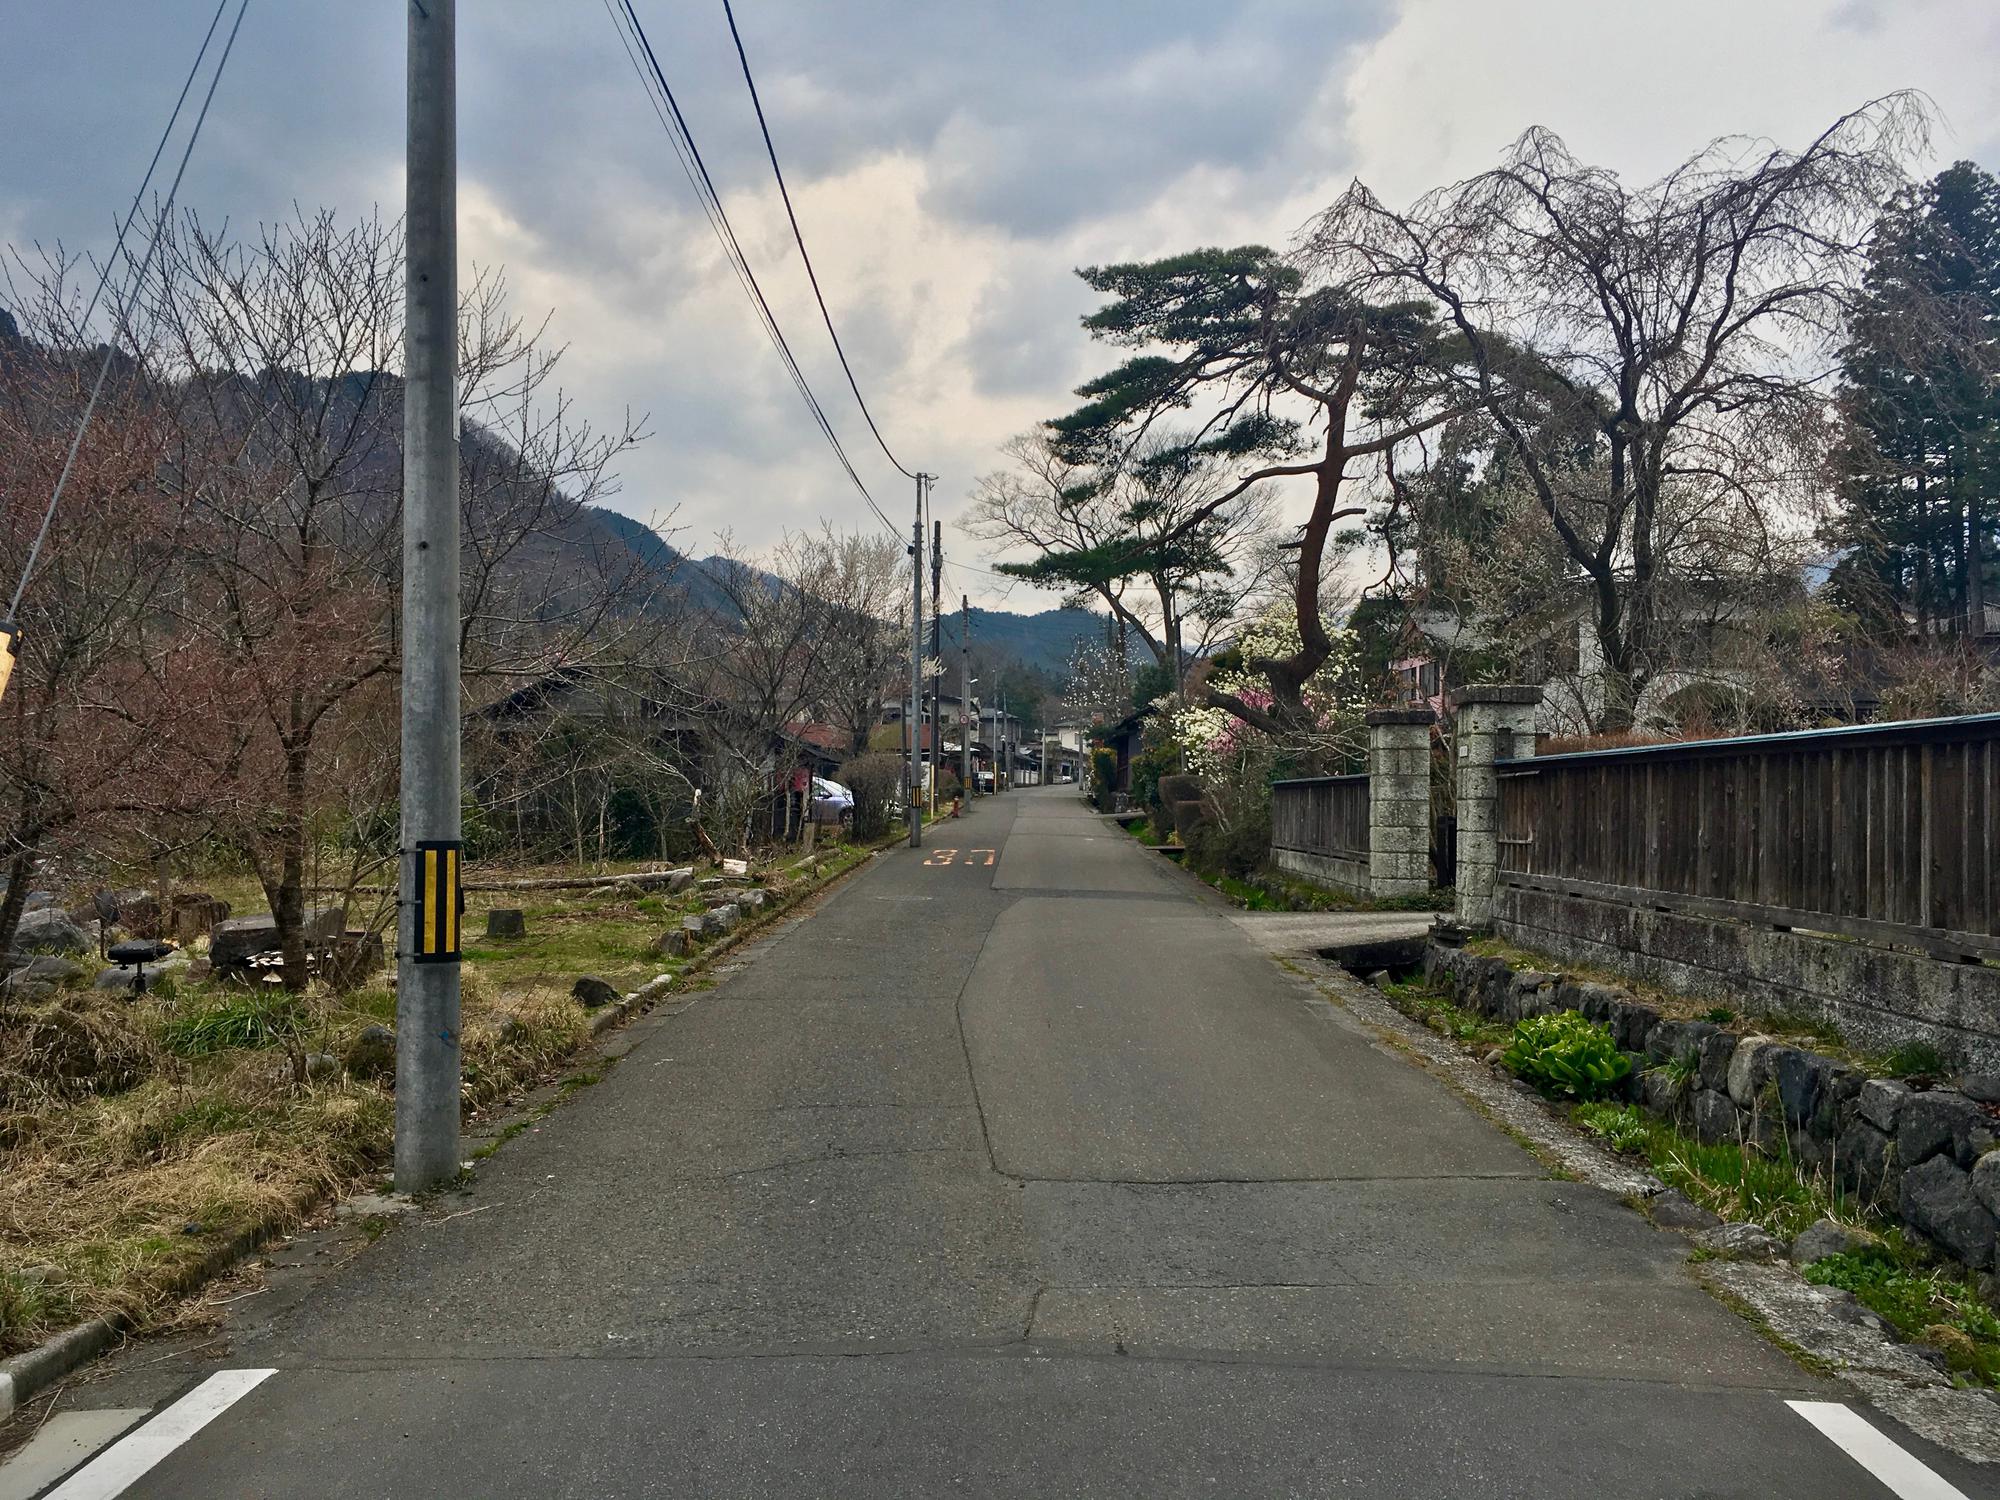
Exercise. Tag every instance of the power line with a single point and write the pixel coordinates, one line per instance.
(138, 278)
(799, 237)
(676, 126)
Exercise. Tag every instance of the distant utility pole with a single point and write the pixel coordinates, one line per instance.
(427, 937)
(912, 774)
(965, 697)
(937, 655)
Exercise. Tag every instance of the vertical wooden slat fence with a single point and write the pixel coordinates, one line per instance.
(1324, 815)
(1884, 832)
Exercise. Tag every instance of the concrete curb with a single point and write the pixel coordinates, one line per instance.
(26, 1375)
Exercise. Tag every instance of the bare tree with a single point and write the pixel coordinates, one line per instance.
(1652, 360)
(864, 580)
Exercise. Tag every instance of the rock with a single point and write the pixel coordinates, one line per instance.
(51, 931)
(41, 901)
(1740, 1242)
(322, 1067)
(1672, 1210)
(1802, 1076)
(1662, 1093)
(1982, 1087)
(1956, 1345)
(677, 942)
(1868, 1155)
(372, 1054)
(510, 1031)
(590, 992)
(1934, 1122)
(236, 940)
(1750, 1068)
(42, 972)
(724, 918)
(713, 899)
(1880, 1101)
(1382, 979)
(1986, 1182)
(1631, 1023)
(752, 900)
(1715, 1118)
(1594, 1001)
(1826, 1238)
(1716, 1048)
(1937, 1198)
(506, 922)
(117, 980)
(679, 880)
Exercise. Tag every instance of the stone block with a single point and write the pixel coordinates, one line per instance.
(1715, 1118)
(1631, 1023)
(1750, 1068)
(1716, 1049)
(50, 930)
(1937, 1199)
(1880, 1102)
(1937, 1122)
(1986, 1182)
(506, 922)
(679, 880)
(1801, 1076)
(1867, 1156)
(591, 992)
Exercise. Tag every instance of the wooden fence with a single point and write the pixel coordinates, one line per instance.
(1323, 815)
(1884, 832)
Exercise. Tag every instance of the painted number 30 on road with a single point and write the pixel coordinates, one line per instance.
(942, 857)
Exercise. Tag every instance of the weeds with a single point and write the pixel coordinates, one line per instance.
(1933, 1307)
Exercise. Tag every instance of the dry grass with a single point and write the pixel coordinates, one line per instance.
(137, 1139)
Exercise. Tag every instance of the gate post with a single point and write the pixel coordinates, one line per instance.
(1399, 802)
(1494, 722)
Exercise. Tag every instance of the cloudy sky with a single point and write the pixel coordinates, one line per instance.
(951, 164)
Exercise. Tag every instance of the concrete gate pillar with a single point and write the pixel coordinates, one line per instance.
(1399, 802)
(1494, 722)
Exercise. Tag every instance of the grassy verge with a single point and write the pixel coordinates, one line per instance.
(1937, 1307)
(1436, 1010)
(137, 1139)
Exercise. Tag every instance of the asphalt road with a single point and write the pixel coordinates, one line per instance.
(1019, 1168)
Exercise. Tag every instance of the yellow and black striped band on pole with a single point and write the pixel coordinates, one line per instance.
(440, 899)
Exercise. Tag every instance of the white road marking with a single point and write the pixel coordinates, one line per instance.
(1902, 1473)
(60, 1444)
(113, 1472)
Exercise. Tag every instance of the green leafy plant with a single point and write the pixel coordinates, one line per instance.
(1565, 1054)
(1623, 1127)
(1718, 1015)
(1918, 1304)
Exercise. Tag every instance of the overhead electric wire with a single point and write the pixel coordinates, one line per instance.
(675, 124)
(138, 277)
(798, 236)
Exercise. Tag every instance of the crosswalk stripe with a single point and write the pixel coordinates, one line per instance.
(116, 1469)
(1902, 1472)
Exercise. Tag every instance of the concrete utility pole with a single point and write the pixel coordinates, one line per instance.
(913, 802)
(937, 655)
(427, 937)
(965, 697)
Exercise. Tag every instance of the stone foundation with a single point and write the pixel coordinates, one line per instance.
(1929, 1157)
(1878, 998)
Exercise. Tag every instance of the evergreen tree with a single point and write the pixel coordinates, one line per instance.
(1921, 410)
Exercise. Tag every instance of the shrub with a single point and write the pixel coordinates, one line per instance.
(875, 779)
(1621, 1125)
(1104, 775)
(1567, 1055)
(261, 1016)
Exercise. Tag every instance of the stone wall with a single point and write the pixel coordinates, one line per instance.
(1928, 1156)
(1878, 997)
(1323, 869)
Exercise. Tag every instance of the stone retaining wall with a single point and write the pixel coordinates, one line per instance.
(1323, 869)
(1878, 997)
(1927, 1156)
